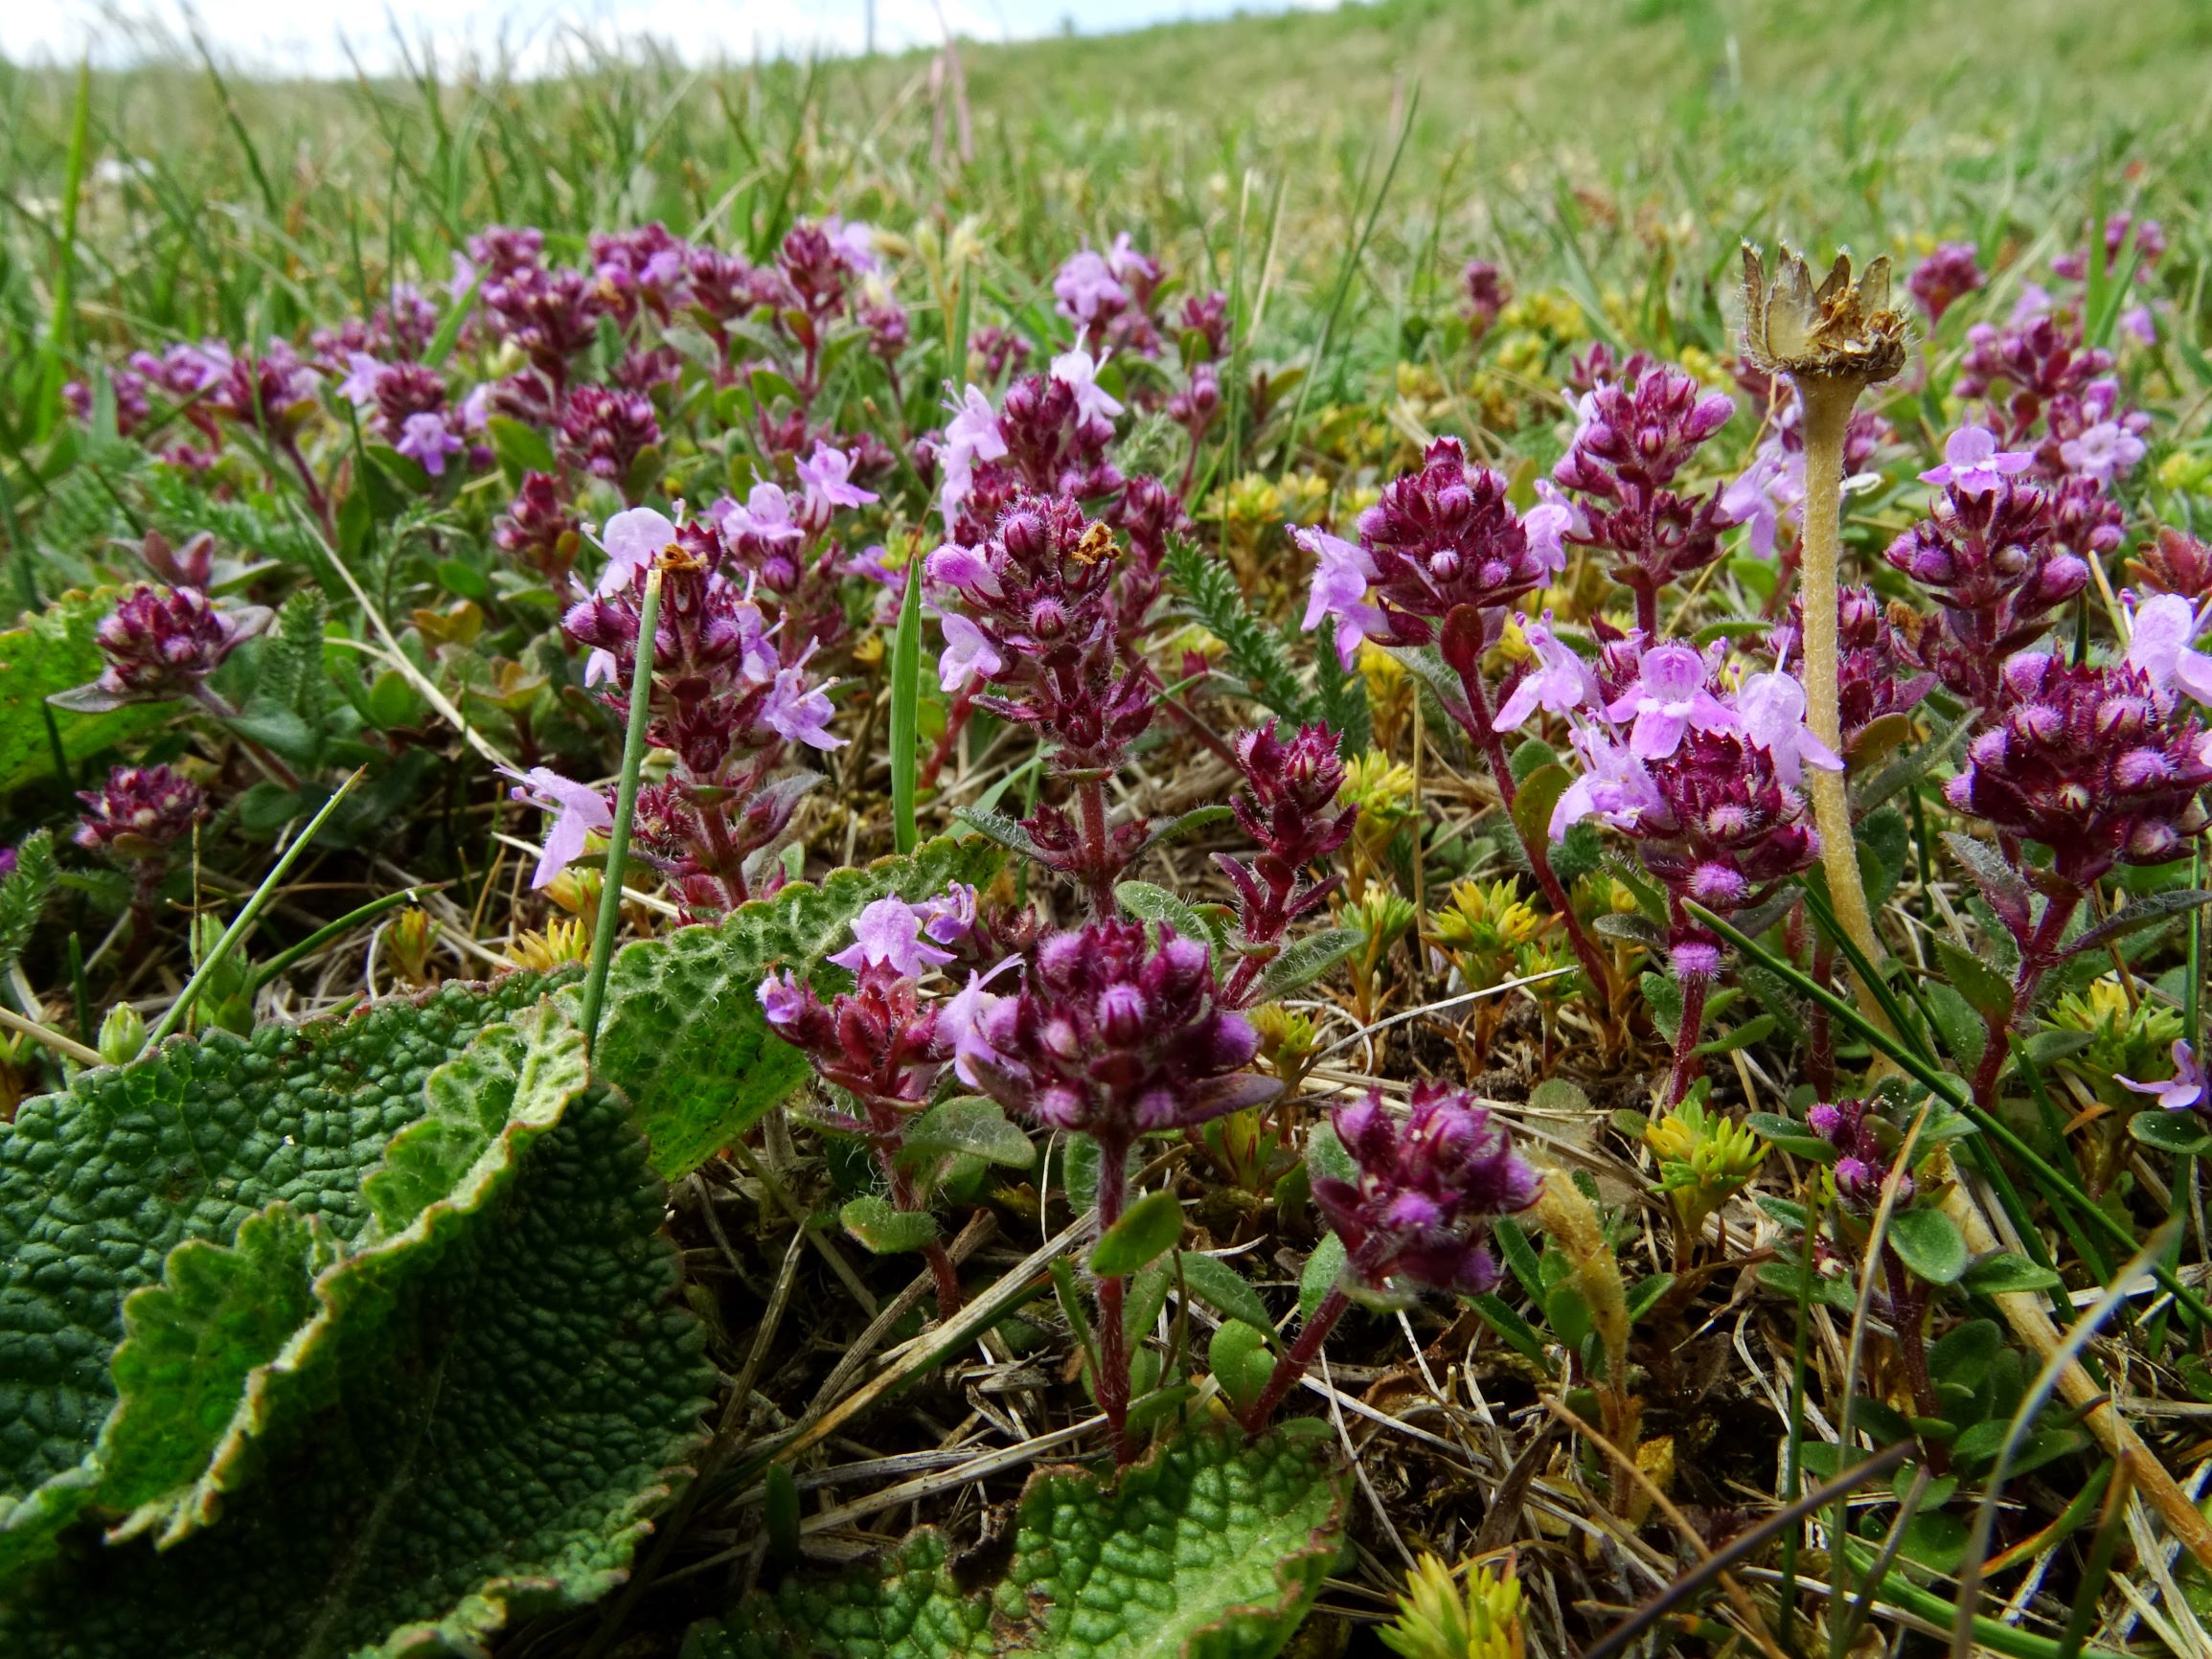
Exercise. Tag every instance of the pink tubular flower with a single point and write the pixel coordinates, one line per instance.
(427, 441)
(889, 933)
(1087, 288)
(968, 653)
(2185, 1091)
(1560, 683)
(827, 475)
(2161, 641)
(359, 386)
(579, 811)
(800, 713)
(963, 1021)
(1341, 573)
(633, 540)
(766, 515)
(972, 435)
(1973, 464)
(1614, 786)
(1771, 706)
(1668, 698)
(2103, 452)
(1550, 524)
(1771, 488)
(1078, 371)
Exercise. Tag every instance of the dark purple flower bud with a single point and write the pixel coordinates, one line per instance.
(999, 353)
(2093, 762)
(603, 431)
(1441, 538)
(1945, 277)
(1426, 1190)
(1111, 1037)
(539, 529)
(162, 642)
(1850, 1126)
(192, 565)
(1484, 293)
(1207, 316)
(140, 813)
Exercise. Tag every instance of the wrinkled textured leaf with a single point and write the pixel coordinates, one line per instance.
(471, 1427)
(51, 652)
(683, 1035)
(99, 1185)
(1213, 1547)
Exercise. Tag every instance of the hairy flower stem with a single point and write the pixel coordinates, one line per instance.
(1908, 1310)
(1113, 1341)
(1493, 745)
(2039, 955)
(1826, 404)
(1097, 860)
(902, 1198)
(1687, 1065)
(1296, 1360)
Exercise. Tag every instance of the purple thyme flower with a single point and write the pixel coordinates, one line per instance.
(161, 642)
(1560, 683)
(1439, 539)
(1112, 1037)
(140, 813)
(827, 479)
(1483, 294)
(1088, 291)
(890, 933)
(1341, 573)
(1771, 706)
(579, 811)
(634, 538)
(970, 436)
(1973, 465)
(2093, 762)
(798, 711)
(1668, 699)
(1078, 371)
(1426, 1192)
(1850, 1126)
(2103, 452)
(2162, 641)
(967, 656)
(425, 440)
(2185, 1091)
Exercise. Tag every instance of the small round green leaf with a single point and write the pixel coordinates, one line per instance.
(1928, 1243)
(1147, 1231)
(1240, 1361)
(872, 1220)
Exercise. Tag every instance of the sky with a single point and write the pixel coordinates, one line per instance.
(310, 36)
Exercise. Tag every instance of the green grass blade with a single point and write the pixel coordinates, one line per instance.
(906, 710)
(247, 918)
(625, 809)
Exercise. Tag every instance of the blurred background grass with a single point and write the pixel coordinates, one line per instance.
(1614, 148)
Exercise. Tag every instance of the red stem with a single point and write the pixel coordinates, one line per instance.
(1493, 745)
(1296, 1360)
(1097, 860)
(1113, 1342)
(1687, 1065)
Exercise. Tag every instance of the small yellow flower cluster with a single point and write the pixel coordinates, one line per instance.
(1440, 1619)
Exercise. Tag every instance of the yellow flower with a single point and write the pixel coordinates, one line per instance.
(1381, 787)
(1703, 1158)
(1486, 922)
(562, 941)
(1437, 1619)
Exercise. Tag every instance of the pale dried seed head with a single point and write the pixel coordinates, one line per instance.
(1841, 330)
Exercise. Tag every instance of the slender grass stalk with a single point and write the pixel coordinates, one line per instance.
(247, 918)
(64, 312)
(906, 711)
(325, 934)
(624, 808)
